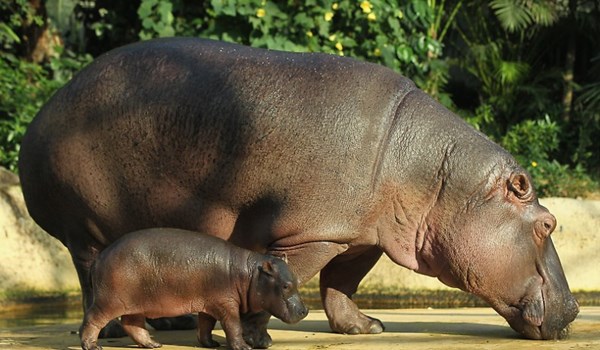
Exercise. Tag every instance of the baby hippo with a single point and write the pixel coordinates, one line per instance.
(169, 272)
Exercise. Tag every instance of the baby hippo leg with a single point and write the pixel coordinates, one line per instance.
(254, 327)
(93, 321)
(206, 323)
(134, 326)
(233, 330)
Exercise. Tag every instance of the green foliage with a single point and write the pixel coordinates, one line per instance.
(587, 105)
(516, 15)
(18, 12)
(532, 142)
(61, 13)
(404, 37)
(157, 19)
(507, 55)
(25, 86)
(511, 56)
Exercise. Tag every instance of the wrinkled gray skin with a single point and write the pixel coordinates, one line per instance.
(326, 159)
(169, 272)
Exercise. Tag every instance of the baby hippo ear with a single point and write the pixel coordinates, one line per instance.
(268, 268)
(283, 257)
(280, 255)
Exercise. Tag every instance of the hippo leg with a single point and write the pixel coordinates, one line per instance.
(170, 323)
(206, 323)
(230, 320)
(338, 282)
(82, 260)
(255, 329)
(93, 321)
(135, 327)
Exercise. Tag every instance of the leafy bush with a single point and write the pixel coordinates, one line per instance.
(502, 73)
(532, 142)
(405, 36)
(23, 88)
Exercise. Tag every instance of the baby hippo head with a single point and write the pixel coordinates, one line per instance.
(277, 291)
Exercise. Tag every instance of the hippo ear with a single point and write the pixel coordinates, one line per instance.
(268, 268)
(519, 185)
(283, 257)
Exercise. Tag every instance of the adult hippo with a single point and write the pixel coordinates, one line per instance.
(328, 160)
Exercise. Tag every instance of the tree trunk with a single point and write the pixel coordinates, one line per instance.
(568, 77)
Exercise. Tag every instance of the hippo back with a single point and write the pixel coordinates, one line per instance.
(152, 132)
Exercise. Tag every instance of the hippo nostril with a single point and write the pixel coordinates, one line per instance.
(545, 225)
(573, 307)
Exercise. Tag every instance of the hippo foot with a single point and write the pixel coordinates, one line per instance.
(255, 330)
(258, 340)
(91, 347)
(362, 325)
(209, 343)
(240, 345)
(151, 345)
(173, 323)
(112, 330)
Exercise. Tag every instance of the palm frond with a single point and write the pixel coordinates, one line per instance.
(512, 72)
(544, 12)
(512, 14)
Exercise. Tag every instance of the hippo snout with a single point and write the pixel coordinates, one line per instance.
(557, 327)
(297, 309)
(554, 325)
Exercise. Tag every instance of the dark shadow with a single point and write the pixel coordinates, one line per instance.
(254, 224)
(449, 328)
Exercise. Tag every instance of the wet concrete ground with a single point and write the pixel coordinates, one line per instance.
(468, 328)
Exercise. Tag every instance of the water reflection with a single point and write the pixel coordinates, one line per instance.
(48, 313)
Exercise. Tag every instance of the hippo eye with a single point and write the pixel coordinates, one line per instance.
(287, 286)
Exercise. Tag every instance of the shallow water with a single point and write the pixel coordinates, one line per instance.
(48, 313)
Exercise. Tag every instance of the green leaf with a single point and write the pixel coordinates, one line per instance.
(224, 7)
(512, 72)
(165, 9)
(7, 32)
(394, 23)
(147, 23)
(405, 53)
(145, 9)
(60, 12)
(544, 12)
(513, 14)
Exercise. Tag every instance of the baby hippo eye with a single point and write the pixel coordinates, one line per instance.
(287, 286)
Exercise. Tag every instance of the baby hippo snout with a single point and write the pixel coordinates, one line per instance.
(277, 287)
(297, 309)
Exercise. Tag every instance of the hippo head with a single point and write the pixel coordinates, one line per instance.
(277, 291)
(496, 244)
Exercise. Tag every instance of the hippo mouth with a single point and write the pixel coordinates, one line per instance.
(530, 318)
